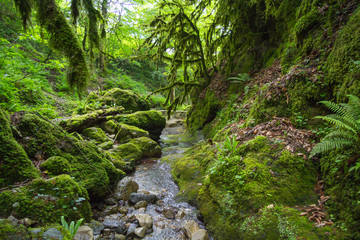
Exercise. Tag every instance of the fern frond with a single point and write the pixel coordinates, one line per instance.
(334, 143)
(341, 133)
(339, 123)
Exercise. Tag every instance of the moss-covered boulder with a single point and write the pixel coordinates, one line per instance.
(126, 132)
(95, 134)
(47, 200)
(110, 127)
(125, 98)
(236, 184)
(91, 168)
(106, 145)
(152, 121)
(15, 164)
(56, 165)
(148, 147)
(129, 152)
(126, 166)
(80, 122)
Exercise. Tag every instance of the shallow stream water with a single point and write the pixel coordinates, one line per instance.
(154, 176)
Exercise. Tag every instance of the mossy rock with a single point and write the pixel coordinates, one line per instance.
(9, 231)
(129, 152)
(106, 145)
(127, 132)
(47, 200)
(42, 139)
(125, 98)
(15, 164)
(118, 161)
(110, 127)
(152, 121)
(96, 134)
(80, 122)
(49, 232)
(56, 165)
(148, 147)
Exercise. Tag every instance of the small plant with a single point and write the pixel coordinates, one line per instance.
(346, 134)
(230, 144)
(73, 227)
(300, 120)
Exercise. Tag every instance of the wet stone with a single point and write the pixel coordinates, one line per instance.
(113, 223)
(141, 204)
(84, 233)
(137, 197)
(126, 187)
(52, 233)
(190, 227)
(169, 213)
(140, 232)
(145, 220)
(200, 234)
(180, 215)
(119, 237)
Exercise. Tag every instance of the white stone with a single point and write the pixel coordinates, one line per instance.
(145, 220)
(190, 227)
(140, 232)
(200, 234)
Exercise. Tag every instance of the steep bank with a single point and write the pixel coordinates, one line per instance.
(260, 127)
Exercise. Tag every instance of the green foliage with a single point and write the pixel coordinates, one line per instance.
(346, 120)
(73, 227)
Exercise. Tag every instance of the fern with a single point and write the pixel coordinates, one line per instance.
(346, 120)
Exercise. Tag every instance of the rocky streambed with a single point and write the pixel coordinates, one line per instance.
(145, 205)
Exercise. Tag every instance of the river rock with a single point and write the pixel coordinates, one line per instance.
(125, 188)
(52, 233)
(110, 201)
(200, 234)
(113, 223)
(180, 215)
(141, 204)
(122, 229)
(190, 227)
(96, 226)
(28, 222)
(131, 231)
(84, 233)
(119, 237)
(137, 197)
(169, 213)
(13, 220)
(140, 232)
(145, 220)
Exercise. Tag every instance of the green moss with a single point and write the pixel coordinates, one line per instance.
(96, 134)
(126, 132)
(56, 165)
(129, 152)
(80, 122)
(48, 140)
(305, 23)
(47, 200)
(110, 127)
(125, 98)
(8, 231)
(148, 147)
(15, 164)
(340, 64)
(119, 163)
(106, 145)
(344, 188)
(203, 111)
(152, 121)
(278, 222)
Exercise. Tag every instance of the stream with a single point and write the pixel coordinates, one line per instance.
(168, 213)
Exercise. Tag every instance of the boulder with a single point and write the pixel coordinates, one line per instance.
(41, 140)
(52, 233)
(148, 147)
(126, 132)
(125, 98)
(145, 220)
(96, 134)
(169, 213)
(200, 234)
(140, 232)
(45, 201)
(56, 165)
(129, 152)
(190, 227)
(141, 204)
(10, 231)
(15, 164)
(119, 162)
(106, 145)
(125, 188)
(84, 233)
(137, 197)
(152, 121)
